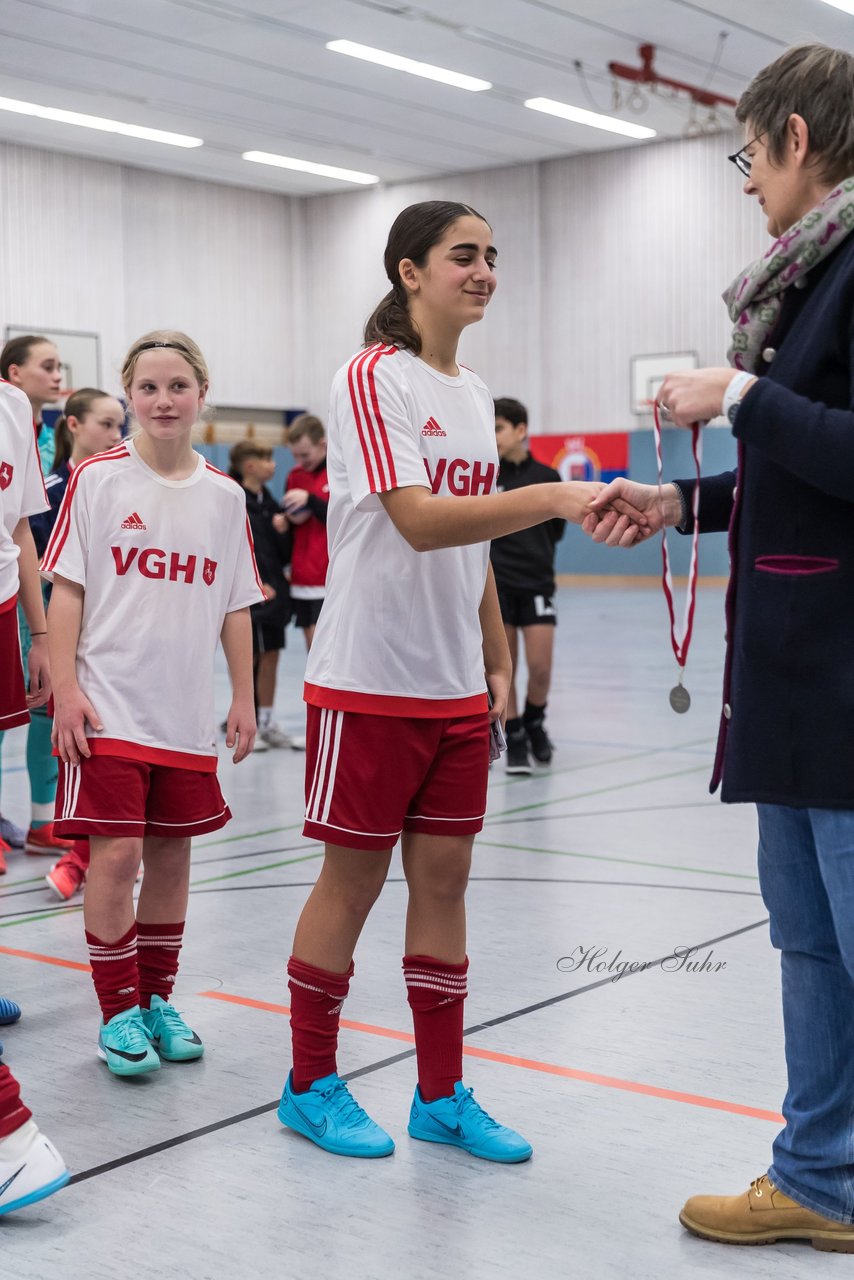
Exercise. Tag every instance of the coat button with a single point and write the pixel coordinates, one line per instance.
(801, 282)
(727, 711)
(768, 354)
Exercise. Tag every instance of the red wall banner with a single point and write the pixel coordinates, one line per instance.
(584, 457)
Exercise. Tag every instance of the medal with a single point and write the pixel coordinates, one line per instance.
(680, 699)
(680, 639)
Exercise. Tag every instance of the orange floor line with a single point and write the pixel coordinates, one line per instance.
(267, 1007)
(529, 1064)
(57, 960)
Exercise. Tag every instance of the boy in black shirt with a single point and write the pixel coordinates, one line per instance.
(524, 574)
(253, 466)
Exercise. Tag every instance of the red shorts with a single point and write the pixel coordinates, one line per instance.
(108, 796)
(368, 777)
(13, 691)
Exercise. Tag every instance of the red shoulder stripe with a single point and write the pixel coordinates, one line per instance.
(252, 555)
(63, 520)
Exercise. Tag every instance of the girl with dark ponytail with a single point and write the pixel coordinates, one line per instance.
(408, 647)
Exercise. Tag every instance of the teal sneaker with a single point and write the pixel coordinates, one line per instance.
(461, 1122)
(330, 1116)
(124, 1045)
(170, 1035)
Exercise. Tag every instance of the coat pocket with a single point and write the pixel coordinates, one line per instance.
(795, 566)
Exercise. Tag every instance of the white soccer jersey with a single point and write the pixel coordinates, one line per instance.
(399, 633)
(162, 562)
(21, 485)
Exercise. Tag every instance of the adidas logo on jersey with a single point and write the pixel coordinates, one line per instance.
(133, 522)
(432, 428)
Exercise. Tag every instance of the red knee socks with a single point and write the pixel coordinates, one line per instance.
(13, 1113)
(114, 972)
(436, 991)
(316, 1000)
(159, 948)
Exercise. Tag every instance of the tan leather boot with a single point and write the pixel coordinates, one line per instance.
(764, 1215)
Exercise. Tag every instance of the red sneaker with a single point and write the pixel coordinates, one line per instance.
(66, 877)
(44, 841)
(4, 849)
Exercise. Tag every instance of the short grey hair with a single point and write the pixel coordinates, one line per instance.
(817, 83)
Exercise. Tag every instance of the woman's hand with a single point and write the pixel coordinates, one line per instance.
(241, 727)
(280, 522)
(694, 396)
(72, 711)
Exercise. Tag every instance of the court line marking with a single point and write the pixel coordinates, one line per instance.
(606, 857)
(526, 1064)
(229, 1121)
(597, 791)
(636, 753)
(43, 959)
(7, 923)
(305, 884)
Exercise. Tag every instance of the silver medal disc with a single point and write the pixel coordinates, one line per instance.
(680, 699)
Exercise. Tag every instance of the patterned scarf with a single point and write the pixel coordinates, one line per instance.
(755, 297)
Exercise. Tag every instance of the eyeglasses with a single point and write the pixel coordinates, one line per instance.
(742, 161)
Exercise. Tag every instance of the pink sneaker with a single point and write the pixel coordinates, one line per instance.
(43, 840)
(4, 849)
(66, 878)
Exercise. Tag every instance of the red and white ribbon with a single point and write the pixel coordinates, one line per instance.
(680, 637)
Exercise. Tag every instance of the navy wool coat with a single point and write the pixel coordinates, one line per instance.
(787, 722)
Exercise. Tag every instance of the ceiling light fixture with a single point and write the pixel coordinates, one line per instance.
(592, 118)
(98, 122)
(847, 6)
(308, 166)
(394, 60)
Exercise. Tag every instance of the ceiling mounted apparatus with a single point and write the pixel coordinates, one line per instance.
(699, 96)
(646, 74)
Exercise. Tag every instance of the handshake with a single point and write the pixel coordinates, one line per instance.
(624, 513)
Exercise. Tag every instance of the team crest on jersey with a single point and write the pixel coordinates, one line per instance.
(209, 571)
(6, 473)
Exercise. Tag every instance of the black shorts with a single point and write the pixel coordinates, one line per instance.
(266, 636)
(306, 612)
(526, 609)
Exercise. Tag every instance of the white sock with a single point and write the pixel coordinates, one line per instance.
(16, 1146)
(265, 716)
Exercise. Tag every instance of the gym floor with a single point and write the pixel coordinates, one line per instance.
(636, 1090)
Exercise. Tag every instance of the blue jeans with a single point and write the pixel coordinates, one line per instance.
(806, 874)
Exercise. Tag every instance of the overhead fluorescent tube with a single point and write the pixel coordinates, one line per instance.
(847, 6)
(98, 122)
(592, 118)
(307, 166)
(394, 60)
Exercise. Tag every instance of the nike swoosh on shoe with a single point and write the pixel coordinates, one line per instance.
(319, 1129)
(7, 1184)
(456, 1130)
(123, 1053)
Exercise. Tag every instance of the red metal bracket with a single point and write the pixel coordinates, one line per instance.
(646, 74)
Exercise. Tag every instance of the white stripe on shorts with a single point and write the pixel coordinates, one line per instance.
(331, 725)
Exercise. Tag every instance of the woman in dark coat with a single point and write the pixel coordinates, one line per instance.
(787, 724)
